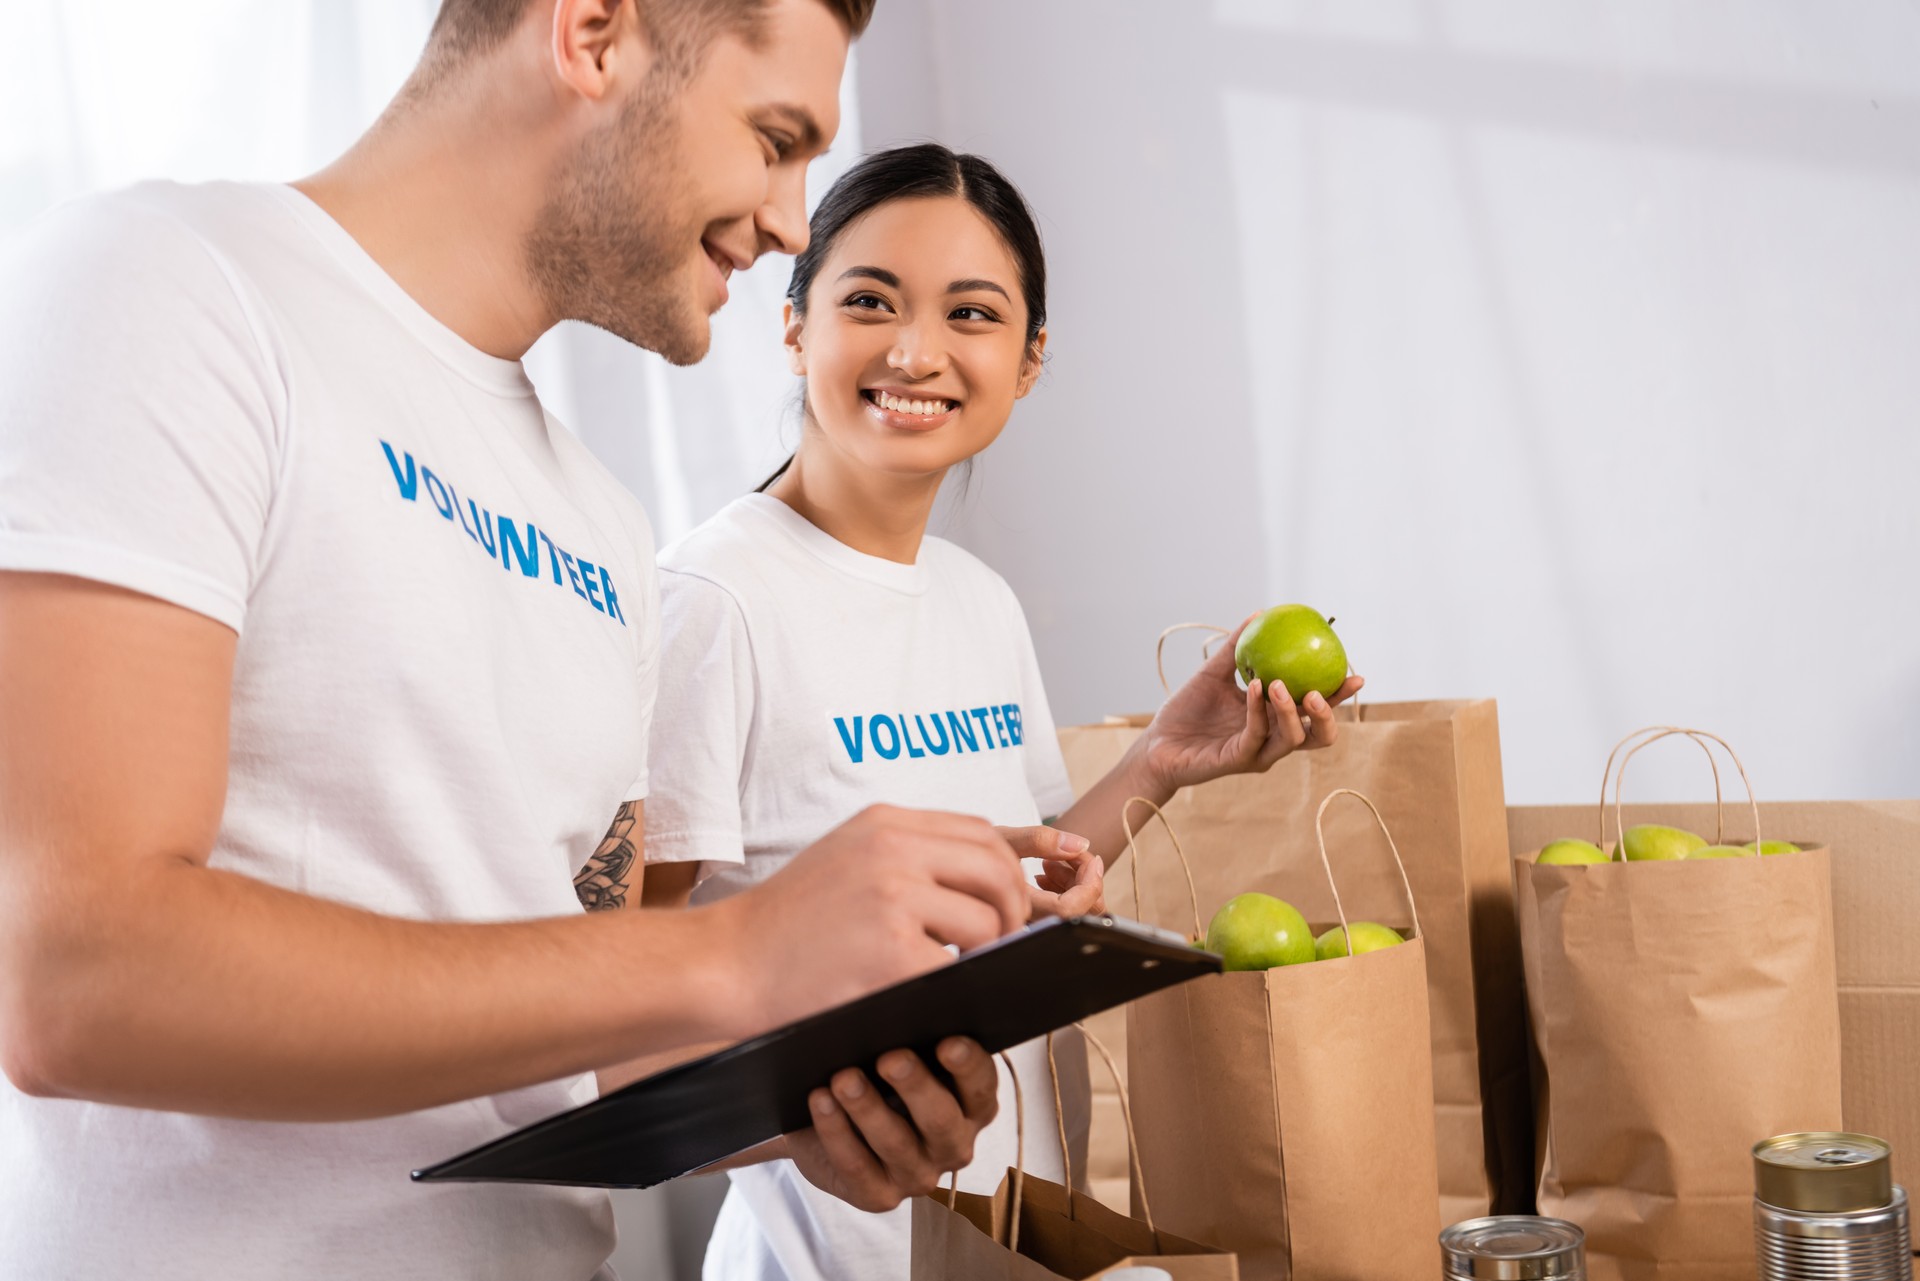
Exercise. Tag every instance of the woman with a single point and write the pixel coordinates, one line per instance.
(824, 654)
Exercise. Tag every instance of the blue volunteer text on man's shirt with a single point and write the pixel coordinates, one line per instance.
(590, 582)
(889, 736)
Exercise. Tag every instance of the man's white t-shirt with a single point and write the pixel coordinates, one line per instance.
(804, 681)
(448, 629)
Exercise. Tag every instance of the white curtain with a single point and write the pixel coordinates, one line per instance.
(95, 94)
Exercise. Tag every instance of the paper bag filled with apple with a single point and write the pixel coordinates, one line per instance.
(1684, 1006)
(1433, 768)
(1285, 1107)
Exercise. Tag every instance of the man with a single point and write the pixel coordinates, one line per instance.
(325, 658)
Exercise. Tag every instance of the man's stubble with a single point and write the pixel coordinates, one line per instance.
(610, 247)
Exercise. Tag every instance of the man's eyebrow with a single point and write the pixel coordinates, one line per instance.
(968, 286)
(812, 137)
(880, 274)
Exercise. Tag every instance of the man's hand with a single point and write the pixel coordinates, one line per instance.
(1072, 882)
(870, 1156)
(875, 901)
(1210, 727)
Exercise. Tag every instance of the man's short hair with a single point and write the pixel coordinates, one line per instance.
(465, 27)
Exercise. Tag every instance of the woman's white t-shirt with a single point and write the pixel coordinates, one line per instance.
(804, 681)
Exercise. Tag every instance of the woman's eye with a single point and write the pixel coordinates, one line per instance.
(973, 313)
(867, 302)
(780, 143)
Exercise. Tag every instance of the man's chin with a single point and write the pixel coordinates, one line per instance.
(684, 340)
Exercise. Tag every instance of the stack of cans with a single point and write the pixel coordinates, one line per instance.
(1826, 1208)
(1514, 1247)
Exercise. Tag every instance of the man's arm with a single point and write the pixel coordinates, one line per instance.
(603, 883)
(133, 973)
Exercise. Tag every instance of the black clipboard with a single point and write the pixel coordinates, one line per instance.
(1023, 986)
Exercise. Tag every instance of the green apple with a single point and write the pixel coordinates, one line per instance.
(1293, 645)
(1367, 937)
(1722, 851)
(1258, 932)
(1567, 851)
(1772, 847)
(1650, 841)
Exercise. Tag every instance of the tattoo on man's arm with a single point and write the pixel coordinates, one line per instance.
(602, 883)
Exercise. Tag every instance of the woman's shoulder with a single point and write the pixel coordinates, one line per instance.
(957, 569)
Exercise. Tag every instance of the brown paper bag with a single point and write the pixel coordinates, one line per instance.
(1032, 1229)
(1433, 768)
(1681, 1012)
(1287, 1114)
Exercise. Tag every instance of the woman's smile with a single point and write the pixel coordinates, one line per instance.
(902, 409)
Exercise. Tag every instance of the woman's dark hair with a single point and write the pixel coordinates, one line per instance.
(922, 170)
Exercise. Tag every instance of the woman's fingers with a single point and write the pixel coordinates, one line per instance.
(1348, 688)
(1321, 727)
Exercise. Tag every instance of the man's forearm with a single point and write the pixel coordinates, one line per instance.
(198, 990)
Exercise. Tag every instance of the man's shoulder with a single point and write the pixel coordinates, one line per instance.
(157, 222)
(155, 256)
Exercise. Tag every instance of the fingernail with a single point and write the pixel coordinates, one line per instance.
(1074, 844)
(822, 1103)
(895, 1069)
(1315, 703)
(850, 1088)
(958, 1053)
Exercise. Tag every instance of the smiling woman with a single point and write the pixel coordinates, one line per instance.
(992, 305)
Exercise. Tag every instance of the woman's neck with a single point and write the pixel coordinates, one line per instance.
(881, 515)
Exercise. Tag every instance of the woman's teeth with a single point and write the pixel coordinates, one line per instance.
(901, 405)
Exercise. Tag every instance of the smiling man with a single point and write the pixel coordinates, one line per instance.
(326, 658)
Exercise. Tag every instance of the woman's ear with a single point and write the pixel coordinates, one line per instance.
(796, 351)
(1031, 365)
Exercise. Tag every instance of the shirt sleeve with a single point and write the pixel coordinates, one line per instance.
(1046, 767)
(701, 724)
(139, 410)
(647, 647)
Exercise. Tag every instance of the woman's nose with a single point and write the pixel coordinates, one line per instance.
(917, 355)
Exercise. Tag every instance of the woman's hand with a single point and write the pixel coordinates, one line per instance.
(1071, 882)
(1211, 727)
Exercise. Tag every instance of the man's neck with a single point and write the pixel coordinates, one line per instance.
(881, 515)
(441, 194)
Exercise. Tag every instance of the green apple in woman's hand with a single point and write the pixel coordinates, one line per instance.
(1292, 645)
(1211, 727)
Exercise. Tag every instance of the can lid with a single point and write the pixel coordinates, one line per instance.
(1514, 1247)
(1823, 1172)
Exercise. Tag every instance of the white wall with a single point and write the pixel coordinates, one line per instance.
(1569, 354)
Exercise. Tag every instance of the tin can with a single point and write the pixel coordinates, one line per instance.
(1513, 1247)
(1825, 1207)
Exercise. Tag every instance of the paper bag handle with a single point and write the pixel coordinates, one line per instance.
(1126, 1119)
(1066, 1155)
(1019, 1158)
(1320, 834)
(1661, 731)
(1206, 651)
(1699, 736)
(1133, 864)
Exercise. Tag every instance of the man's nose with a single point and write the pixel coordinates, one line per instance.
(783, 218)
